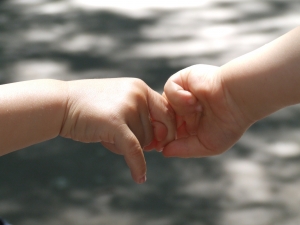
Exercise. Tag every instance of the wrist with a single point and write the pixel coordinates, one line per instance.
(238, 97)
(267, 79)
(66, 102)
(35, 107)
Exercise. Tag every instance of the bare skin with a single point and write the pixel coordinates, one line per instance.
(124, 114)
(216, 105)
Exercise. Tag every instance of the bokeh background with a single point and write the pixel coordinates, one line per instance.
(63, 182)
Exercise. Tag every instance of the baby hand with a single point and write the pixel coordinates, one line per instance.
(208, 120)
(119, 113)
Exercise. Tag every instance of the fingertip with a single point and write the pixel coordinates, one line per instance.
(199, 108)
(159, 149)
(184, 102)
(137, 174)
(192, 100)
(151, 146)
(142, 180)
(139, 179)
(186, 95)
(133, 154)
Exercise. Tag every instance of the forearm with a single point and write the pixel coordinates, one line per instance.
(267, 79)
(30, 112)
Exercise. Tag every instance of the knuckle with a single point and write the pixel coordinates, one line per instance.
(134, 84)
(133, 95)
(114, 118)
(138, 82)
(133, 143)
(134, 151)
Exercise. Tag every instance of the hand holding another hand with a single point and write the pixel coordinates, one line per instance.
(209, 121)
(124, 114)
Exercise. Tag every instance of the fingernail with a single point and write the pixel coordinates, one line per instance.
(142, 180)
(159, 149)
(199, 108)
(192, 101)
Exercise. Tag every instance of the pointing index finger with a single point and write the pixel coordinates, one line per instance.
(125, 140)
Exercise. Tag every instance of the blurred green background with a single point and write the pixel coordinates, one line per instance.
(64, 182)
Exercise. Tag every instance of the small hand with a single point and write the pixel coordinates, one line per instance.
(208, 120)
(119, 113)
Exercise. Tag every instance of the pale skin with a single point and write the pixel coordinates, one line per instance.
(216, 105)
(124, 114)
